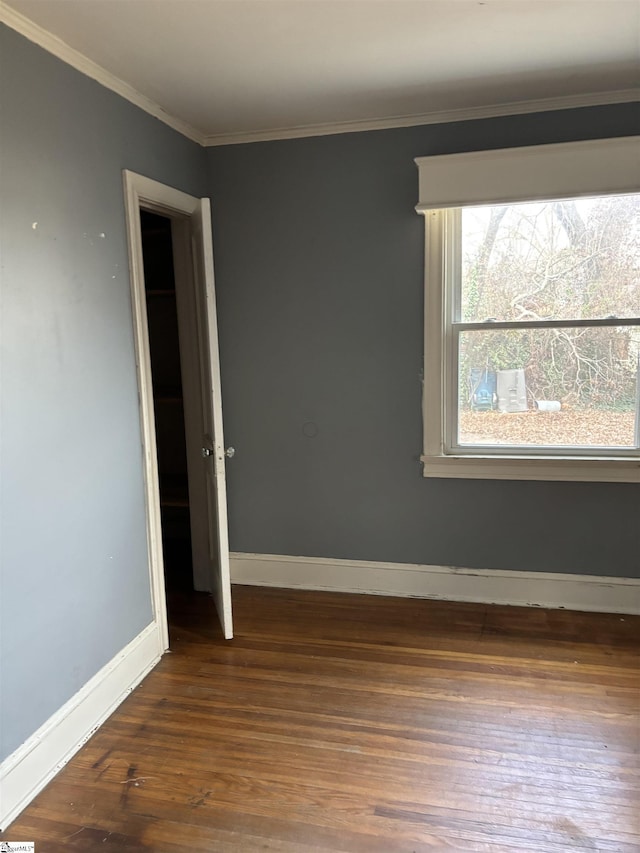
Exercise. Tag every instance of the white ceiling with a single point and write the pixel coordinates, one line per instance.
(254, 68)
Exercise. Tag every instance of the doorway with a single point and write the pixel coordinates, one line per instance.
(168, 400)
(176, 337)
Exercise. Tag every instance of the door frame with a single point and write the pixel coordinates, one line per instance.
(142, 193)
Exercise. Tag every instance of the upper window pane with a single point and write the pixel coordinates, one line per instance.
(573, 259)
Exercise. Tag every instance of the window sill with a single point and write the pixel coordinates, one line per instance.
(584, 469)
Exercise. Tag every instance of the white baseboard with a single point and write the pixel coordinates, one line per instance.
(484, 586)
(25, 772)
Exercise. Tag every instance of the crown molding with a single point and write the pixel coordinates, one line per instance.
(51, 43)
(564, 102)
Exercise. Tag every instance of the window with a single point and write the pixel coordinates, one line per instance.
(532, 312)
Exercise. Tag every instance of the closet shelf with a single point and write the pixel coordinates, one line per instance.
(174, 491)
(168, 395)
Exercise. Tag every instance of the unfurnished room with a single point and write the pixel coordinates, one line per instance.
(320, 426)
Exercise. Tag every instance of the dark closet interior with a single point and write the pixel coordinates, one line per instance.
(162, 319)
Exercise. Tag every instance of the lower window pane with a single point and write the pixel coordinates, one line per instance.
(549, 387)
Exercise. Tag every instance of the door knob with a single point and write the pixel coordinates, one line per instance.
(230, 452)
(206, 452)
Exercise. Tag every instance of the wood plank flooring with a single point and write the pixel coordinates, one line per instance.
(364, 724)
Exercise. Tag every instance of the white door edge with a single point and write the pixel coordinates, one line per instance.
(223, 599)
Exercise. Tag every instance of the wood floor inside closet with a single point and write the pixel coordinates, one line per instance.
(338, 722)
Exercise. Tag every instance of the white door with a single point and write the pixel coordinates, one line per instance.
(193, 261)
(213, 450)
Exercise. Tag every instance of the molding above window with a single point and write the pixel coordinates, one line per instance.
(564, 170)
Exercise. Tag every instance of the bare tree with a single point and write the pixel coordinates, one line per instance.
(564, 260)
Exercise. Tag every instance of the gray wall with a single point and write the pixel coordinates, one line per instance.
(75, 586)
(319, 275)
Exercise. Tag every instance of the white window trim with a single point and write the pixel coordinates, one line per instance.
(603, 167)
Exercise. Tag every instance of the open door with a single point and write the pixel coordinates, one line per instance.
(193, 256)
(213, 450)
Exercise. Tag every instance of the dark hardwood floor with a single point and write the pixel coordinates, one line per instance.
(360, 723)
